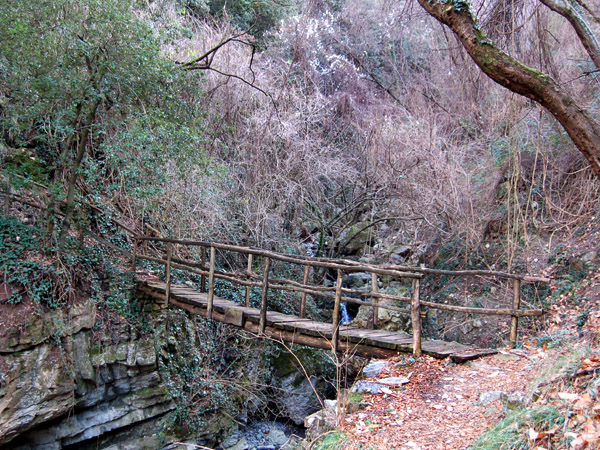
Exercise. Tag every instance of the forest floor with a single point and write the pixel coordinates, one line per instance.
(543, 395)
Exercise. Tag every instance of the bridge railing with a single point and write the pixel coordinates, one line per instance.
(207, 269)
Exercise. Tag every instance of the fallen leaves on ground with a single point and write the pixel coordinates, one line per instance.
(439, 408)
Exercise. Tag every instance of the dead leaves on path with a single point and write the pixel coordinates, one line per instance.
(582, 418)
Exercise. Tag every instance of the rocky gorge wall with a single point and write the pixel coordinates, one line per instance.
(75, 378)
(65, 380)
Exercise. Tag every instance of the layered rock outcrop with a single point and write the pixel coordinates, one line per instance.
(65, 379)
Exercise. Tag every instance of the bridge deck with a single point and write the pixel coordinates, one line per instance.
(282, 327)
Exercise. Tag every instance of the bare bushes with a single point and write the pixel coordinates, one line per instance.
(374, 117)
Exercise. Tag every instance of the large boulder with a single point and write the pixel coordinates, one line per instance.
(387, 319)
(295, 394)
(356, 240)
(357, 280)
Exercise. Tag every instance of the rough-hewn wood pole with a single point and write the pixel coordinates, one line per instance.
(168, 273)
(415, 315)
(136, 243)
(248, 288)
(211, 284)
(7, 197)
(203, 277)
(303, 298)
(263, 301)
(514, 321)
(336, 312)
(375, 289)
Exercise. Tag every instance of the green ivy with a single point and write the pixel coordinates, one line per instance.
(24, 270)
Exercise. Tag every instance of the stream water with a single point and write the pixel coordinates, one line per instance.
(344, 312)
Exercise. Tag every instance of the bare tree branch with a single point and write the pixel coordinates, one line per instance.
(205, 62)
(512, 74)
(585, 34)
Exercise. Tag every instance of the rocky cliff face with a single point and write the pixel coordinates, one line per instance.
(66, 379)
(77, 378)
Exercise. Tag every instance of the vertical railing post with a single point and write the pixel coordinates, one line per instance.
(136, 244)
(249, 278)
(336, 312)
(415, 314)
(203, 277)
(514, 320)
(375, 290)
(7, 197)
(168, 273)
(211, 284)
(303, 296)
(263, 301)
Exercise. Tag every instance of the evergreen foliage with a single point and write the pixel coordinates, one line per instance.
(90, 78)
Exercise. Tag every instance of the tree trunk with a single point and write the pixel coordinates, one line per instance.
(514, 75)
(81, 147)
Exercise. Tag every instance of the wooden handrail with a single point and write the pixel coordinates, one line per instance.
(294, 259)
(325, 292)
(337, 292)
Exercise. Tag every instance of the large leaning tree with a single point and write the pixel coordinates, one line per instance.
(507, 71)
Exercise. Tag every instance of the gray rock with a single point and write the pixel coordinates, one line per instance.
(589, 256)
(319, 423)
(231, 439)
(293, 443)
(374, 368)
(354, 241)
(356, 280)
(514, 400)
(394, 381)
(277, 437)
(401, 254)
(241, 444)
(330, 405)
(367, 387)
(297, 398)
(489, 397)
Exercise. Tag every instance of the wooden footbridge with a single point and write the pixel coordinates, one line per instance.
(299, 328)
(238, 266)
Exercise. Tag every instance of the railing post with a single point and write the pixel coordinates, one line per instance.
(303, 297)
(514, 320)
(263, 301)
(211, 284)
(375, 290)
(168, 273)
(203, 277)
(7, 197)
(336, 312)
(415, 314)
(136, 243)
(250, 261)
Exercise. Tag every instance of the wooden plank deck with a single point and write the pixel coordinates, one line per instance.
(288, 328)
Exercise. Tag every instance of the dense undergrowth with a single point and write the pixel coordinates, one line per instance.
(37, 271)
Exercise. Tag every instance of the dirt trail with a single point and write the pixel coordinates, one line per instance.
(439, 408)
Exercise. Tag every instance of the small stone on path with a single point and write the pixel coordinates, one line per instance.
(374, 368)
(489, 397)
(367, 387)
(394, 381)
